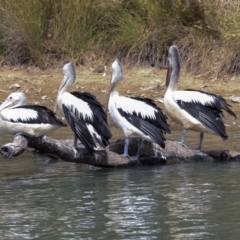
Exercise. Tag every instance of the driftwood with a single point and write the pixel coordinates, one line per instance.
(151, 154)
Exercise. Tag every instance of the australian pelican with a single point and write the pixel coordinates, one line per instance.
(195, 110)
(83, 112)
(134, 115)
(29, 120)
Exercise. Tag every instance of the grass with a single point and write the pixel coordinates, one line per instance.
(22, 29)
(49, 32)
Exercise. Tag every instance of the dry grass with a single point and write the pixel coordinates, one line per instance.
(215, 52)
(22, 30)
(44, 32)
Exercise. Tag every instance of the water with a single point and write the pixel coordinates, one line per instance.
(42, 198)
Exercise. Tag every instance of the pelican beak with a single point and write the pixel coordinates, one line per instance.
(111, 87)
(169, 71)
(55, 107)
(62, 85)
(6, 104)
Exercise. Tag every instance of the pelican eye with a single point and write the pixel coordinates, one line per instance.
(10, 98)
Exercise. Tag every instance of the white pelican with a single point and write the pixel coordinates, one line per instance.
(83, 112)
(27, 120)
(195, 110)
(134, 115)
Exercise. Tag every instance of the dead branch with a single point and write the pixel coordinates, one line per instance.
(151, 154)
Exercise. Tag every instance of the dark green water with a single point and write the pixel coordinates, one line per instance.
(48, 199)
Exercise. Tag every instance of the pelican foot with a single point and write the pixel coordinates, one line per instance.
(97, 157)
(81, 151)
(133, 158)
(196, 150)
(125, 155)
(182, 144)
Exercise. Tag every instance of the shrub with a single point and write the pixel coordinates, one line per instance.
(138, 31)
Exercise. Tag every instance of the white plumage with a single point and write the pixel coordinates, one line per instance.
(191, 96)
(74, 103)
(8, 114)
(131, 105)
(28, 120)
(83, 112)
(138, 116)
(195, 110)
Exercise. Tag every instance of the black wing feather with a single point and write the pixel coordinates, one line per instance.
(99, 122)
(147, 128)
(160, 120)
(153, 127)
(79, 127)
(218, 104)
(210, 117)
(45, 116)
(210, 114)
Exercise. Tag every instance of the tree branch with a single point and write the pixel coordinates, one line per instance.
(14, 149)
(151, 154)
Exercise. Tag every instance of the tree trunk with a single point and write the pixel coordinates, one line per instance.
(151, 154)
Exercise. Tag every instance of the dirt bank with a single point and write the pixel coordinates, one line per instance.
(41, 86)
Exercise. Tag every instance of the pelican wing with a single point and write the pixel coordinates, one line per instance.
(31, 114)
(143, 114)
(80, 128)
(145, 109)
(147, 128)
(98, 121)
(89, 111)
(210, 100)
(206, 108)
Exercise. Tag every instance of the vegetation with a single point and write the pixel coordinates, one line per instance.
(46, 32)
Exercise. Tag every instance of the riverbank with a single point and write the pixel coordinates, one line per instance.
(41, 86)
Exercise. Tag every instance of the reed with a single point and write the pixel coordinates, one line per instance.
(22, 30)
(40, 32)
(75, 28)
(49, 32)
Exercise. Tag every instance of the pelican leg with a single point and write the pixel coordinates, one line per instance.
(75, 141)
(126, 146)
(83, 150)
(155, 151)
(198, 149)
(125, 152)
(140, 142)
(184, 134)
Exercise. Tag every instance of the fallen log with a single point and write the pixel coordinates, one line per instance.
(151, 154)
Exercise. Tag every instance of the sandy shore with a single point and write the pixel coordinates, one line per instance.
(41, 86)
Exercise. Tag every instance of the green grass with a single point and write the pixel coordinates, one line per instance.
(49, 32)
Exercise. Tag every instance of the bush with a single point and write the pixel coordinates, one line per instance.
(138, 31)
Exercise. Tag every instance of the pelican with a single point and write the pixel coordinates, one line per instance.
(27, 120)
(134, 115)
(83, 112)
(195, 110)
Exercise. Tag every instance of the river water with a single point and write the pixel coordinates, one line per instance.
(41, 198)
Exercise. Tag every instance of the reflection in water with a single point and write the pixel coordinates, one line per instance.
(189, 201)
(69, 201)
(50, 199)
(130, 204)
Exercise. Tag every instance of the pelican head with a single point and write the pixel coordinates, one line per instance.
(173, 65)
(116, 72)
(69, 76)
(116, 77)
(14, 100)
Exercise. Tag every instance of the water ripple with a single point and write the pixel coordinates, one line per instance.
(49, 199)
